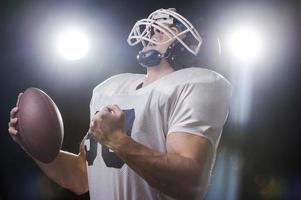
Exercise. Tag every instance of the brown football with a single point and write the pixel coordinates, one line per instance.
(40, 125)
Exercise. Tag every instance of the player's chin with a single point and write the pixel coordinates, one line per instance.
(147, 48)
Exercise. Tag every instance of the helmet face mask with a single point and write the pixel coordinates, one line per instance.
(164, 20)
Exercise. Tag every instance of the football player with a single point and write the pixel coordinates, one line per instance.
(151, 136)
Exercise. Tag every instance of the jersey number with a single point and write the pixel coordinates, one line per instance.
(109, 157)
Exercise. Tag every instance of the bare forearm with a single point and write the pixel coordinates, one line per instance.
(178, 173)
(175, 175)
(67, 170)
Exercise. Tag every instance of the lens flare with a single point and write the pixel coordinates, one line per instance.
(245, 44)
(72, 44)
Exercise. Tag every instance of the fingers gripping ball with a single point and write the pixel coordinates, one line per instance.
(40, 125)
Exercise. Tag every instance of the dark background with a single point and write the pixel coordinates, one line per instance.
(268, 143)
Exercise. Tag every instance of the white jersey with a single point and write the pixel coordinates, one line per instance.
(191, 100)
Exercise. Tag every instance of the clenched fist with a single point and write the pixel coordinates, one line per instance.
(107, 126)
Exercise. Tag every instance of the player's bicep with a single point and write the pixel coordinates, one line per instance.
(190, 146)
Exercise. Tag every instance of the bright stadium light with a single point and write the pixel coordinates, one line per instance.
(72, 44)
(245, 44)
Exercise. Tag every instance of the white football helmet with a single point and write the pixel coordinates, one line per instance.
(161, 20)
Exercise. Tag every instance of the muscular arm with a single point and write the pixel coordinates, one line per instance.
(182, 172)
(68, 170)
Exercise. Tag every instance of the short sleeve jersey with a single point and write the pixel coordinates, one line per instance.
(191, 100)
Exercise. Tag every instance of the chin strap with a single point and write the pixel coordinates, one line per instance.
(151, 58)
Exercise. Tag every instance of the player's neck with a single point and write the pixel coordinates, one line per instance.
(155, 73)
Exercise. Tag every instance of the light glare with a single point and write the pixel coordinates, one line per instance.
(245, 44)
(72, 44)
